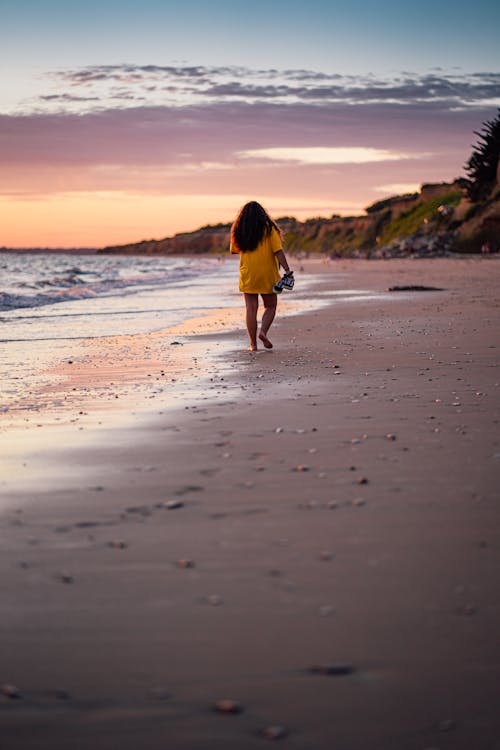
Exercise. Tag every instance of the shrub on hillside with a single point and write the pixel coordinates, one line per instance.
(483, 164)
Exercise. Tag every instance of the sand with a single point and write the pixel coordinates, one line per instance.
(314, 536)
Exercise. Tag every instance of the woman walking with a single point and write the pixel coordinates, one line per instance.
(256, 239)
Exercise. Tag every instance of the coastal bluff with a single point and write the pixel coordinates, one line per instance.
(207, 239)
(437, 220)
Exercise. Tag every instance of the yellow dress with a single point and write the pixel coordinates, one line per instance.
(259, 268)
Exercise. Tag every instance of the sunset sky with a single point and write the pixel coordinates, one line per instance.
(122, 121)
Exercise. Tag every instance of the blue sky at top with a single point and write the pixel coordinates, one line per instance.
(332, 35)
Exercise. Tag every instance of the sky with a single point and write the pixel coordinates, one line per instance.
(124, 121)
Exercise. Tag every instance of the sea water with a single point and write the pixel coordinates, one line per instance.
(45, 289)
(53, 304)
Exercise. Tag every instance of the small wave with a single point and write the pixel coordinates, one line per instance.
(68, 280)
(16, 301)
(69, 287)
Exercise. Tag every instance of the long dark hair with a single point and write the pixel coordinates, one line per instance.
(250, 227)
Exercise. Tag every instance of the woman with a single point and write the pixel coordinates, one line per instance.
(256, 238)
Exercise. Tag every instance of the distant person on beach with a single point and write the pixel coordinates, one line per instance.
(256, 239)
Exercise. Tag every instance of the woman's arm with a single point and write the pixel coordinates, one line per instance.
(282, 260)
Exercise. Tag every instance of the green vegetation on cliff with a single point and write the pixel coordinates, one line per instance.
(422, 213)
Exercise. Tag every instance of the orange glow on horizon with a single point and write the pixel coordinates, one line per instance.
(97, 219)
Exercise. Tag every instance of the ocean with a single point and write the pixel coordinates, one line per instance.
(65, 283)
(59, 307)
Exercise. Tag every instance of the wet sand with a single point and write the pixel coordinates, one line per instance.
(314, 536)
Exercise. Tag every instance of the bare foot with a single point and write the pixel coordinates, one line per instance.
(265, 341)
(252, 348)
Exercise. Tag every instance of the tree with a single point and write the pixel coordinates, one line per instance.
(483, 164)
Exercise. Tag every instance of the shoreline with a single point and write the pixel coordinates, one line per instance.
(336, 505)
(102, 387)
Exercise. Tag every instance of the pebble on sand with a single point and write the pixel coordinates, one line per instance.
(326, 610)
(214, 600)
(301, 467)
(228, 706)
(358, 502)
(274, 732)
(447, 725)
(159, 693)
(65, 577)
(62, 695)
(309, 505)
(184, 564)
(142, 510)
(468, 610)
(173, 504)
(332, 669)
(10, 691)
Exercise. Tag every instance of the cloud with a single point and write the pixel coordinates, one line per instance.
(184, 85)
(166, 129)
(398, 188)
(159, 148)
(68, 98)
(329, 155)
(222, 131)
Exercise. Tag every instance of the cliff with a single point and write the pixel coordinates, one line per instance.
(435, 221)
(208, 239)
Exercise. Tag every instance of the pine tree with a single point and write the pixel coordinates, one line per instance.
(483, 164)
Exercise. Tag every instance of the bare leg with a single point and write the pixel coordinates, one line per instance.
(252, 305)
(270, 302)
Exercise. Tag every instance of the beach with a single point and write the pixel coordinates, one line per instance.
(310, 534)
